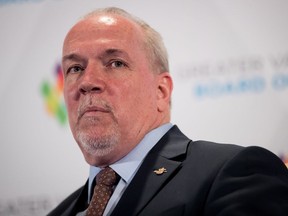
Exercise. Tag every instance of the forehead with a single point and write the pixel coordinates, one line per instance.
(104, 29)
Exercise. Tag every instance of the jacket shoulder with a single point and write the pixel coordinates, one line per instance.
(66, 203)
(213, 152)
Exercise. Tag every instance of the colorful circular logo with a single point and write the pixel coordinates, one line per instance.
(53, 96)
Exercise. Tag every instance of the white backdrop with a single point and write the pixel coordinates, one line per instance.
(229, 61)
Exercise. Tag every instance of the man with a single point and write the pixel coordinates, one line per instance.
(117, 90)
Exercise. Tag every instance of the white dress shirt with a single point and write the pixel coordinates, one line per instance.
(127, 167)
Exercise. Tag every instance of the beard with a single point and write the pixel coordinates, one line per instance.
(91, 137)
(97, 144)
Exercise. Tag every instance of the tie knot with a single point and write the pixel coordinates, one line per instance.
(107, 177)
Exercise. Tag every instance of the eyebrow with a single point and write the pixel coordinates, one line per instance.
(72, 57)
(105, 54)
(114, 52)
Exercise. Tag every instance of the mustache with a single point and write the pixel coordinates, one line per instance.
(90, 103)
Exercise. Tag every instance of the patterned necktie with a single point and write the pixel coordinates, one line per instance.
(106, 179)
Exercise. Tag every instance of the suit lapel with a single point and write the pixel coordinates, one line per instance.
(79, 203)
(168, 153)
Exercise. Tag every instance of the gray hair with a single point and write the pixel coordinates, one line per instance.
(153, 43)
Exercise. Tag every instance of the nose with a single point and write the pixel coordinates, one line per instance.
(91, 81)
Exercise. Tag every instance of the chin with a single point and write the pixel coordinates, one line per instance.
(98, 161)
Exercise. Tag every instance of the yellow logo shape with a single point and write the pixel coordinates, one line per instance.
(160, 171)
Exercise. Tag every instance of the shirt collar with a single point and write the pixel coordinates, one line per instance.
(128, 165)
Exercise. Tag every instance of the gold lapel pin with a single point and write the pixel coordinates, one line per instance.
(160, 171)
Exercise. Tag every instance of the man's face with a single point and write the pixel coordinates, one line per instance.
(111, 94)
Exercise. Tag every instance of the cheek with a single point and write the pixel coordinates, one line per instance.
(140, 96)
(71, 103)
(147, 90)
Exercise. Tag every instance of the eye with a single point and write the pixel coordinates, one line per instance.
(117, 64)
(75, 69)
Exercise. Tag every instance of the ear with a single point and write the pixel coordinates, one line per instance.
(165, 87)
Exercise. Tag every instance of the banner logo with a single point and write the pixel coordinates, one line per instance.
(284, 158)
(236, 76)
(53, 96)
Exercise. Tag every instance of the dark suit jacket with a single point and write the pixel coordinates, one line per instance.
(202, 178)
